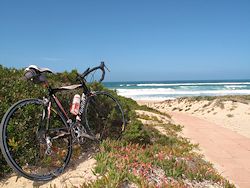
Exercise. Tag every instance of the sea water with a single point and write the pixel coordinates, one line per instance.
(163, 90)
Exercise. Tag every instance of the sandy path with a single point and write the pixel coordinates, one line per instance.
(228, 150)
(229, 114)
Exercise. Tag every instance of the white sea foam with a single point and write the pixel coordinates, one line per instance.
(194, 84)
(235, 86)
(164, 91)
(134, 92)
(168, 92)
(152, 98)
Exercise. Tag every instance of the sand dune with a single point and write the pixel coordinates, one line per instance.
(221, 127)
(232, 114)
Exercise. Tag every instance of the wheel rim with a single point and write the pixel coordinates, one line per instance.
(26, 148)
(104, 116)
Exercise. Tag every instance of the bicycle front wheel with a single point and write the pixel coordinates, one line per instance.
(104, 116)
(26, 140)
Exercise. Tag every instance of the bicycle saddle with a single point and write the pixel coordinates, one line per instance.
(40, 70)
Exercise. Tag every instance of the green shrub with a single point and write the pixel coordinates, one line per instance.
(136, 133)
(14, 88)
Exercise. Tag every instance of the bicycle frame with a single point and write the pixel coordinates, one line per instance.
(53, 99)
(86, 91)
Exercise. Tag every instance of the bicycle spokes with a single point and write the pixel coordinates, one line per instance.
(35, 151)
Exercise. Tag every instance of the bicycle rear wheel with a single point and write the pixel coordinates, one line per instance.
(104, 116)
(24, 140)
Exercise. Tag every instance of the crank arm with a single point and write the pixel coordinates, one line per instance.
(60, 135)
(88, 136)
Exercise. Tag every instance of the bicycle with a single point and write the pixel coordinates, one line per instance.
(37, 135)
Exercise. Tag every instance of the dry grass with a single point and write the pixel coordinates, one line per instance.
(245, 99)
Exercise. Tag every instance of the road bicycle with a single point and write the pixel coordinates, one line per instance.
(37, 135)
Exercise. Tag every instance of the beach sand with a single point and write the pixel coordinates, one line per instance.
(221, 127)
(78, 172)
(231, 114)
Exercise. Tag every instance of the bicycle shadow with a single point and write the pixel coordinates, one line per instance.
(78, 171)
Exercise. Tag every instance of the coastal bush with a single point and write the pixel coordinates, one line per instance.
(143, 156)
(136, 133)
(15, 88)
(230, 115)
(167, 161)
(245, 99)
(149, 118)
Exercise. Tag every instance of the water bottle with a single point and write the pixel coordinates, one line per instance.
(75, 105)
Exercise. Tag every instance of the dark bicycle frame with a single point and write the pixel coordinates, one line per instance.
(86, 91)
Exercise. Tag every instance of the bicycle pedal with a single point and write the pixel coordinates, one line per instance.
(88, 136)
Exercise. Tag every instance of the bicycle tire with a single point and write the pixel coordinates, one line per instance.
(104, 116)
(22, 160)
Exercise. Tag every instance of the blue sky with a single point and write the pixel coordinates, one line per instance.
(138, 39)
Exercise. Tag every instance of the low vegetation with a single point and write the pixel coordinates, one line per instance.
(151, 118)
(143, 157)
(245, 99)
(147, 158)
(230, 115)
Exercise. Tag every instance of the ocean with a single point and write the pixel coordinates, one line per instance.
(163, 90)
